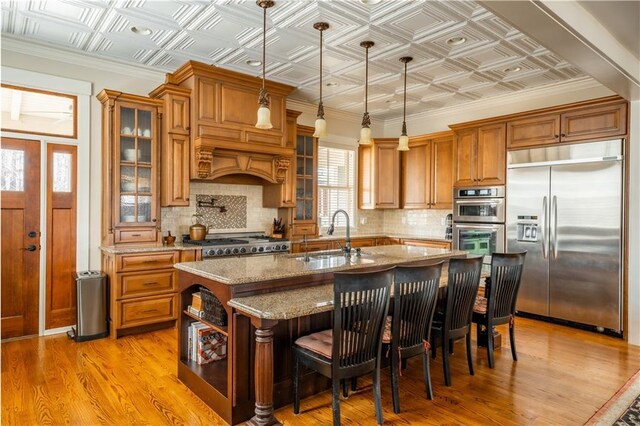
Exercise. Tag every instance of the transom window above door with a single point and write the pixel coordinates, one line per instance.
(38, 112)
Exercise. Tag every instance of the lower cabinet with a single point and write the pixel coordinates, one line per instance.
(143, 289)
(427, 243)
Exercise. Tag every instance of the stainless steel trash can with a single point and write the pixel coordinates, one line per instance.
(91, 322)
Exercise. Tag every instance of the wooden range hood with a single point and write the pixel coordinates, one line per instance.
(222, 134)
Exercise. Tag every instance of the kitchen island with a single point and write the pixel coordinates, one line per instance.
(270, 301)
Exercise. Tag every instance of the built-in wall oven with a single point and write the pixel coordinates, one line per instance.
(479, 220)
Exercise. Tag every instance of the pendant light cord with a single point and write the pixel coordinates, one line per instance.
(366, 80)
(404, 107)
(321, 31)
(264, 44)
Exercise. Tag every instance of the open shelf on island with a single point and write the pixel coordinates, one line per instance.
(214, 373)
(220, 328)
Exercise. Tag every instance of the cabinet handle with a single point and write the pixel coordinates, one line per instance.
(556, 136)
(153, 220)
(149, 311)
(187, 128)
(149, 261)
(562, 134)
(186, 199)
(136, 235)
(150, 283)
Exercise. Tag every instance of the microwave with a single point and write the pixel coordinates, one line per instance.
(479, 204)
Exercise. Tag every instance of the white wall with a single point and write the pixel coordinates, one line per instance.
(633, 165)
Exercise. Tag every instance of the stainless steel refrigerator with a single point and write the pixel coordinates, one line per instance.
(565, 207)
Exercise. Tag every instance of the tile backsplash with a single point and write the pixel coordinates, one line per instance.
(243, 203)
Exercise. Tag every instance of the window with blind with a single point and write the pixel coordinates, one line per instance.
(336, 185)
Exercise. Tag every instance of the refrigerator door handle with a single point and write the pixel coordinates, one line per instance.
(554, 233)
(545, 226)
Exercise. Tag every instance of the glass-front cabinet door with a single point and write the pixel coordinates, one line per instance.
(136, 165)
(303, 216)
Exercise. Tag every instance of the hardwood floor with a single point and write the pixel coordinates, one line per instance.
(562, 377)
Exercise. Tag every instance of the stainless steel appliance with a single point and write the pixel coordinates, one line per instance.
(564, 206)
(478, 220)
(91, 302)
(239, 244)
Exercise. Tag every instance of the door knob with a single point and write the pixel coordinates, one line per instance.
(30, 247)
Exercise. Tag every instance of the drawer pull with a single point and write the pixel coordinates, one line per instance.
(151, 283)
(150, 311)
(136, 235)
(150, 261)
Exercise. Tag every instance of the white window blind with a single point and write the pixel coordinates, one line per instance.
(336, 185)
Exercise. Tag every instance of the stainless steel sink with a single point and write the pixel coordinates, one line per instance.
(333, 259)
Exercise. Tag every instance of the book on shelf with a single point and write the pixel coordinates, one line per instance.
(194, 311)
(196, 301)
(212, 346)
(193, 333)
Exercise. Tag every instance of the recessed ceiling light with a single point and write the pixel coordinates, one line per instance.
(456, 41)
(254, 62)
(370, 1)
(512, 69)
(141, 30)
(332, 83)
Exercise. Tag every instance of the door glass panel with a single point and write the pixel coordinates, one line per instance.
(308, 167)
(127, 121)
(300, 210)
(12, 174)
(300, 165)
(127, 208)
(308, 188)
(144, 123)
(308, 209)
(478, 210)
(300, 145)
(478, 241)
(144, 208)
(144, 179)
(127, 149)
(299, 188)
(144, 150)
(309, 147)
(61, 172)
(127, 179)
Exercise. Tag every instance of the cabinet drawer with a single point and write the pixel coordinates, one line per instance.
(146, 283)
(135, 235)
(303, 229)
(428, 243)
(144, 261)
(146, 311)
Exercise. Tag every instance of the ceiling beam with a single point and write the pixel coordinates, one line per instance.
(568, 30)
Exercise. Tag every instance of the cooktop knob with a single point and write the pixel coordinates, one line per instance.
(227, 251)
(254, 249)
(243, 250)
(277, 247)
(235, 251)
(218, 252)
(261, 249)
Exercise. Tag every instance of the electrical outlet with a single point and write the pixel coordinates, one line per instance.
(363, 221)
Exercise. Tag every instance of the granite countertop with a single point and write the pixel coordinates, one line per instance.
(249, 269)
(150, 248)
(374, 235)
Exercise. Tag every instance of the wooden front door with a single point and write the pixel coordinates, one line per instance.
(20, 221)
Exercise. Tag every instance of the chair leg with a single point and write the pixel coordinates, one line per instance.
(512, 337)
(394, 382)
(345, 389)
(445, 361)
(354, 384)
(376, 394)
(296, 384)
(427, 375)
(490, 346)
(469, 358)
(336, 402)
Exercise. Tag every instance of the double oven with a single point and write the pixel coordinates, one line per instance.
(479, 220)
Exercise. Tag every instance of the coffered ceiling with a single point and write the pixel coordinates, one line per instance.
(227, 33)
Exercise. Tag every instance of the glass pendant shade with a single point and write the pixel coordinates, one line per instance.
(264, 114)
(264, 118)
(403, 143)
(321, 128)
(365, 136)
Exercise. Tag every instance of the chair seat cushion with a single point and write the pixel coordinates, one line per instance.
(480, 305)
(320, 342)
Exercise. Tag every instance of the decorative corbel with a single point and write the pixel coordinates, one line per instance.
(204, 160)
(282, 165)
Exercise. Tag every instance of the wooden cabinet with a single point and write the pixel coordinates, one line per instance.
(427, 243)
(572, 125)
(427, 172)
(143, 289)
(480, 155)
(175, 145)
(130, 167)
(303, 218)
(387, 241)
(284, 194)
(379, 175)
(311, 246)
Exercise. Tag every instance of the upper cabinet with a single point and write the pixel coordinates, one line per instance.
(379, 175)
(175, 145)
(130, 160)
(480, 155)
(427, 172)
(591, 122)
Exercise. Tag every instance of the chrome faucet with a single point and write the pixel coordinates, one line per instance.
(347, 241)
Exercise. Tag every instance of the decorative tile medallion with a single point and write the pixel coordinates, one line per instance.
(222, 211)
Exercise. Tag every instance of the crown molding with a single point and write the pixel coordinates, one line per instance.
(487, 105)
(69, 56)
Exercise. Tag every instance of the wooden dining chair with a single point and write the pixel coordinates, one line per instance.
(415, 293)
(463, 281)
(499, 305)
(352, 347)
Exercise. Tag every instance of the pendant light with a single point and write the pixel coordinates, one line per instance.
(264, 114)
(365, 131)
(321, 124)
(403, 141)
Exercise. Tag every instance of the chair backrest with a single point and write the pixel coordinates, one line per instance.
(462, 286)
(415, 293)
(506, 272)
(361, 303)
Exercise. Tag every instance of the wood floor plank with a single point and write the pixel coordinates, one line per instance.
(563, 376)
